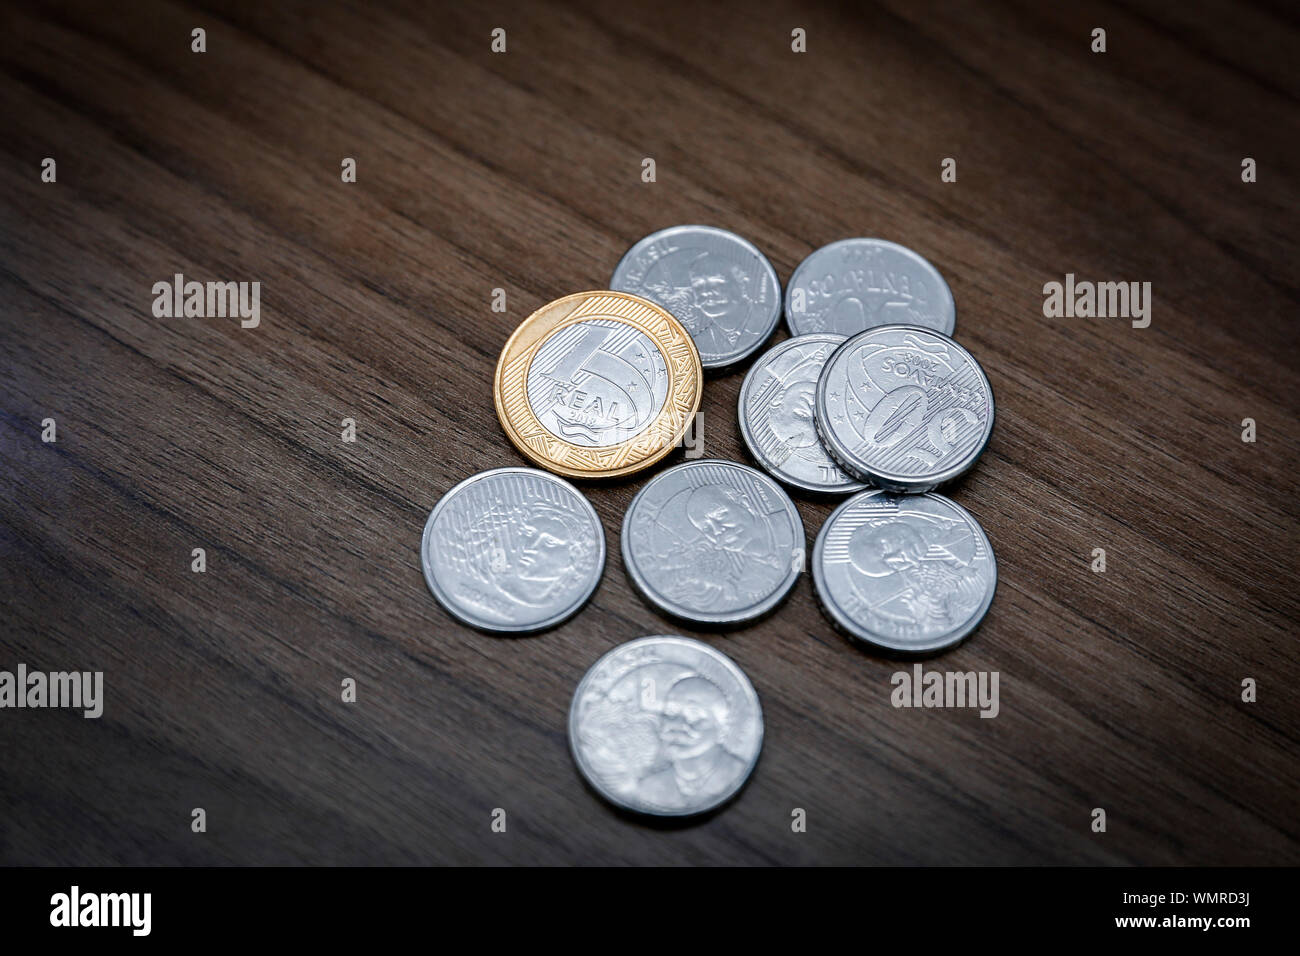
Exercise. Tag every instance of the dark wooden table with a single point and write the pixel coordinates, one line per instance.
(522, 171)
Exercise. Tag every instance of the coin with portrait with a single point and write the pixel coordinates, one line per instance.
(513, 550)
(713, 542)
(666, 726)
(778, 419)
(716, 283)
(908, 573)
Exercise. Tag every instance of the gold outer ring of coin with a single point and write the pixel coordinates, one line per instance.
(660, 436)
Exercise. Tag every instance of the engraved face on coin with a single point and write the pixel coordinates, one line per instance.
(857, 284)
(666, 726)
(597, 384)
(717, 284)
(777, 415)
(909, 573)
(513, 550)
(904, 408)
(713, 542)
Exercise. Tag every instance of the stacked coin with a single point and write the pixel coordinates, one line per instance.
(777, 415)
(902, 408)
(870, 396)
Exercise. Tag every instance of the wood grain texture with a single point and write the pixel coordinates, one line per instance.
(522, 171)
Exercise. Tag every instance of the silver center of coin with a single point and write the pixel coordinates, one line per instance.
(514, 549)
(597, 383)
(718, 285)
(857, 284)
(904, 408)
(713, 542)
(666, 726)
(911, 573)
(777, 415)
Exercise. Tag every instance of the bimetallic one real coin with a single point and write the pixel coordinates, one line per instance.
(666, 726)
(909, 573)
(513, 550)
(904, 408)
(717, 284)
(777, 417)
(713, 542)
(857, 284)
(598, 384)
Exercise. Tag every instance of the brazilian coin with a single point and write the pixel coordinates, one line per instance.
(777, 418)
(909, 573)
(666, 726)
(857, 284)
(713, 542)
(597, 385)
(903, 408)
(717, 284)
(513, 550)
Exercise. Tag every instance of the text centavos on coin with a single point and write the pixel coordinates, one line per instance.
(597, 384)
(904, 408)
(713, 542)
(666, 726)
(714, 282)
(909, 573)
(777, 415)
(513, 550)
(857, 284)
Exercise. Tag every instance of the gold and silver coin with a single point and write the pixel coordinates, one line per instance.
(598, 384)
(666, 726)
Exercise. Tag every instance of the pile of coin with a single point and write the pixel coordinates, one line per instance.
(870, 397)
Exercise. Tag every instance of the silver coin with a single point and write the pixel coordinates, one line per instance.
(666, 726)
(718, 285)
(713, 542)
(904, 408)
(910, 573)
(597, 383)
(857, 284)
(513, 550)
(777, 417)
